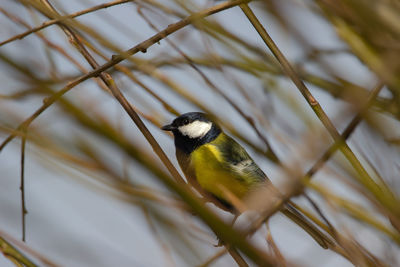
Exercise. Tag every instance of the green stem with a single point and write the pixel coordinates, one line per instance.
(11, 252)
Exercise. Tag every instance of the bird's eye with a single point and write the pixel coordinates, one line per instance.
(185, 121)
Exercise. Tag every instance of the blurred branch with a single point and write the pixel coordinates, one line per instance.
(213, 258)
(358, 212)
(14, 253)
(9, 251)
(167, 252)
(271, 243)
(63, 18)
(372, 33)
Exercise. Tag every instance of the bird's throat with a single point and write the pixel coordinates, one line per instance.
(187, 145)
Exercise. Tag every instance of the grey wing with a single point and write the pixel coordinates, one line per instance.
(240, 161)
(248, 168)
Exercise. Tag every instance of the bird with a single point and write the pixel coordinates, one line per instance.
(220, 169)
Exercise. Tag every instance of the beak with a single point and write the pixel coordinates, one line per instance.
(168, 127)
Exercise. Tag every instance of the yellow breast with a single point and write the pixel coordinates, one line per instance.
(214, 176)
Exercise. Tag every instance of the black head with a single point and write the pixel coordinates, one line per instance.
(192, 130)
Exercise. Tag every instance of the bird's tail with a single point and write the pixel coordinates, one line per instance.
(322, 239)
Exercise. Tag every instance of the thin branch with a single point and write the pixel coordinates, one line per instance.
(271, 243)
(169, 260)
(63, 18)
(7, 248)
(347, 132)
(22, 185)
(11, 252)
(236, 256)
(213, 258)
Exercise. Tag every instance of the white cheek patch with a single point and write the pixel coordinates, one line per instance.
(196, 129)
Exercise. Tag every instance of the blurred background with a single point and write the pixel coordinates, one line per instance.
(93, 186)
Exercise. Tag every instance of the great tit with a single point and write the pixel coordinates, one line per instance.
(218, 167)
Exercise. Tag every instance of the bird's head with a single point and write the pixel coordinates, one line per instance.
(192, 130)
(193, 125)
